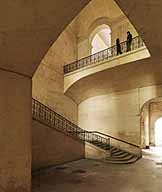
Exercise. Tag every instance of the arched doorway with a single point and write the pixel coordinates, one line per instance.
(158, 132)
(151, 129)
(151, 123)
(100, 38)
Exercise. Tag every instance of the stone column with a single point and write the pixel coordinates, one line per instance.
(146, 116)
(15, 132)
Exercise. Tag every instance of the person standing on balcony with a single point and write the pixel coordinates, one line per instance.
(118, 47)
(129, 41)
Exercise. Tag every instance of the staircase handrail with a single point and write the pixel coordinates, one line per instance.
(54, 120)
(48, 116)
(112, 137)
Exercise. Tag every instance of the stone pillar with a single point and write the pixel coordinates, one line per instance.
(146, 115)
(15, 132)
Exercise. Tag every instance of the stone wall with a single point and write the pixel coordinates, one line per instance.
(117, 114)
(120, 28)
(15, 132)
(48, 81)
(51, 147)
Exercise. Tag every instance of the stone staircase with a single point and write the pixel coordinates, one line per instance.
(101, 145)
(54, 120)
(119, 156)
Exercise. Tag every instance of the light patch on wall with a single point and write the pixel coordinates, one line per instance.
(101, 41)
(158, 132)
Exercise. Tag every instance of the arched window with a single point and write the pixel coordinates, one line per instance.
(100, 38)
(158, 132)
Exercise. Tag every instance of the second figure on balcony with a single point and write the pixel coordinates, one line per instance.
(118, 47)
(129, 41)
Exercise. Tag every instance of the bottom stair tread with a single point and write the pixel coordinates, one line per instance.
(120, 162)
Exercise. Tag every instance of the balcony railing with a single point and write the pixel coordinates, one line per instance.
(103, 55)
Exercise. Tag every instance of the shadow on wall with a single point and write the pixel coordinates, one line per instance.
(51, 147)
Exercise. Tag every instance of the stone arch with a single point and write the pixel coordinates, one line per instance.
(96, 26)
(98, 22)
(150, 112)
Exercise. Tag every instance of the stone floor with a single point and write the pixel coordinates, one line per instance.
(95, 176)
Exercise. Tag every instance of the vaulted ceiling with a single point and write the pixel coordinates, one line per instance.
(29, 28)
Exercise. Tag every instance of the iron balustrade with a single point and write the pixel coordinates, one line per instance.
(54, 120)
(138, 148)
(103, 55)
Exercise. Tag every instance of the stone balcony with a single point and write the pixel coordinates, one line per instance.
(127, 57)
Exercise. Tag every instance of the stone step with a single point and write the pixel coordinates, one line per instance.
(115, 150)
(118, 156)
(132, 160)
(122, 155)
(121, 159)
(118, 152)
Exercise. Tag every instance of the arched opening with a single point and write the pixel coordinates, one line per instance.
(151, 128)
(101, 38)
(158, 132)
(151, 123)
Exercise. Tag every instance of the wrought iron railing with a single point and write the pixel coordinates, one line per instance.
(54, 120)
(104, 55)
(133, 147)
